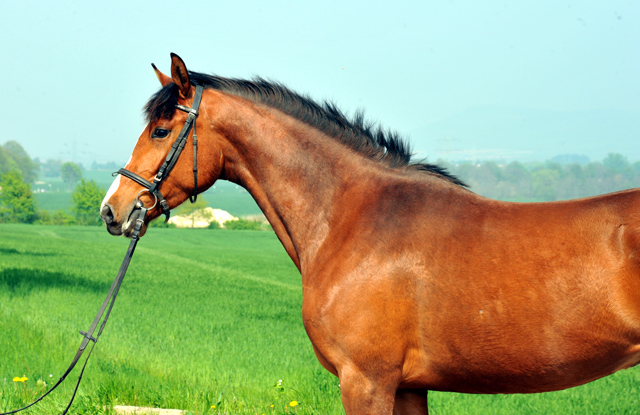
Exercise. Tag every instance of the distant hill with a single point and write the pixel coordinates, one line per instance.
(494, 133)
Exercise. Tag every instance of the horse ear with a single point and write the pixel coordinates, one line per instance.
(180, 75)
(164, 79)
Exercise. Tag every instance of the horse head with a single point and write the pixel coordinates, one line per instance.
(161, 173)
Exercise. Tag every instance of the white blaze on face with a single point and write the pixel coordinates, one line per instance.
(113, 188)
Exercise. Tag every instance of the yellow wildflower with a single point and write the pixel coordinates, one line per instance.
(293, 403)
(22, 379)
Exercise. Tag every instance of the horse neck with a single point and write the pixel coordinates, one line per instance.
(292, 170)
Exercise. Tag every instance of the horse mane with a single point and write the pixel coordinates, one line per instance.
(365, 137)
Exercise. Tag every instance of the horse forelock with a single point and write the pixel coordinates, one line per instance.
(162, 104)
(368, 138)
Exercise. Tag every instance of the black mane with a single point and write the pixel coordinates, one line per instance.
(364, 137)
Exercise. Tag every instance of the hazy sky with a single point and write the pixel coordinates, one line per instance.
(77, 74)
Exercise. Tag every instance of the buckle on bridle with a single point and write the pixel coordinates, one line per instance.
(188, 110)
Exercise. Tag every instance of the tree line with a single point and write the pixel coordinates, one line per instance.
(514, 181)
(548, 181)
(18, 204)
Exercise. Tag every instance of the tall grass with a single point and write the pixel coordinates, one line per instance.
(204, 319)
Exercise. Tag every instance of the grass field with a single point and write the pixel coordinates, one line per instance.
(205, 318)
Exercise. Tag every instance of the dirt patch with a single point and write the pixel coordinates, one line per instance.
(121, 409)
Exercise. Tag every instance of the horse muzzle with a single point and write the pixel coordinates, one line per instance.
(121, 227)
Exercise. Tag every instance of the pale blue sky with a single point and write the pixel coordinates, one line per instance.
(77, 74)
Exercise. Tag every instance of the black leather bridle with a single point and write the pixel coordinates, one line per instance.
(172, 157)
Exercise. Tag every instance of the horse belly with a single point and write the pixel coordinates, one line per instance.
(513, 374)
(520, 346)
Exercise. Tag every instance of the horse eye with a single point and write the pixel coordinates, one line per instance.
(160, 133)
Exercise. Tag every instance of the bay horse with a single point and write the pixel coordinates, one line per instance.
(411, 282)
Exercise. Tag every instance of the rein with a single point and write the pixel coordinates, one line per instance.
(153, 189)
(107, 306)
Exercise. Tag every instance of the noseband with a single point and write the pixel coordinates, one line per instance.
(172, 158)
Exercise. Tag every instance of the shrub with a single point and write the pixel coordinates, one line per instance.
(243, 225)
(61, 217)
(17, 203)
(160, 223)
(87, 198)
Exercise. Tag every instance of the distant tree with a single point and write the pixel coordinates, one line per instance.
(7, 163)
(28, 167)
(594, 170)
(71, 173)
(553, 165)
(484, 178)
(214, 225)
(194, 211)
(61, 217)
(109, 166)
(544, 184)
(463, 171)
(87, 198)
(160, 223)
(616, 162)
(17, 203)
(515, 172)
(51, 168)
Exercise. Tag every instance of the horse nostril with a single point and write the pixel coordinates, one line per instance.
(107, 214)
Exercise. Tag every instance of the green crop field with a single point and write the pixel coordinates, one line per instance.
(204, 318)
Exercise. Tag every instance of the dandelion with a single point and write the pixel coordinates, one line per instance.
(213, 407)
(293, 403)
(22, 379)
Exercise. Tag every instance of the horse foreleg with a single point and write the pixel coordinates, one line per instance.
(411, 402)
(363, 394)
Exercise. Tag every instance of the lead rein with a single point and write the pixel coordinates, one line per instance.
(109, 300)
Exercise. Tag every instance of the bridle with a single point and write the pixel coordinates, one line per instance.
(172, 158)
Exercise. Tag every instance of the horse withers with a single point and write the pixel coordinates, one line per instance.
(411, 282)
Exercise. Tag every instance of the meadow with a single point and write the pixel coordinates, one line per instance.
(205, 318)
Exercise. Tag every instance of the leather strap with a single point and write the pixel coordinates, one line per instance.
(107, 306)
(147, 184)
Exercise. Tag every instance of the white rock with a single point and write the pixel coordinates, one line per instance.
(202, 218)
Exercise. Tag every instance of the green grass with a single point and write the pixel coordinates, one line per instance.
(53, 201)
(203, 318)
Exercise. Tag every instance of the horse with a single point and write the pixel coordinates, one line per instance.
(411, 282)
